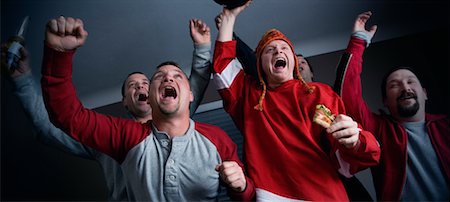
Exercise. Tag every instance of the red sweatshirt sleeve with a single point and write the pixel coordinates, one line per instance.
(228, 152)
(352, 160)
(110, 135)
(351, 92)
(229, 78)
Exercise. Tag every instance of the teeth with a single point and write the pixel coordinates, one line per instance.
(405, 96)
(280, 58)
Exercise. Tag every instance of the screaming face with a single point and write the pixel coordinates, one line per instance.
(277, 60)
(135, 95)
(170, 90)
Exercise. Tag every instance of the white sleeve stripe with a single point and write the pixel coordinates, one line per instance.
(344, 166)
(225, 79)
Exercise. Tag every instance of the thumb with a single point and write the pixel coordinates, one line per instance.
(373, 29)
(218, 167)
(81, 32)
(191, 24)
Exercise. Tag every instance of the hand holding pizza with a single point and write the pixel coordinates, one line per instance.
(345, 130)
(341, 127)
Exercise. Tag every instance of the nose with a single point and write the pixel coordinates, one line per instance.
(168, 78)
(406, 86)
(138, 85)
(279, 50)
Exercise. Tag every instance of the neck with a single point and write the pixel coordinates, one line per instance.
(173, 126)
(273, 85)
(419, 116)
(143, 119)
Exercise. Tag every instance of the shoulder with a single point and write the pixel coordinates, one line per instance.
(437, 118)
(207, 129)
(213, 133)
(321, 86)
(322, 89)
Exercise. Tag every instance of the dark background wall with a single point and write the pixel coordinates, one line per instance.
(33, 171)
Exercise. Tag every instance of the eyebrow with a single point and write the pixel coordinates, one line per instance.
(408, 77)
(159, 71)
(179, 71)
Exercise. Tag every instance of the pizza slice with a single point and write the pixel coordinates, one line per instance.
(323, 116)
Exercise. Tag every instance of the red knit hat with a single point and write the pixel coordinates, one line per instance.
(268, 37)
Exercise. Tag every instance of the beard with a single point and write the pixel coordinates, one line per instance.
(408, 111)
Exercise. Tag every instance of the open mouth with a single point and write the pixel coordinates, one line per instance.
(407, 95)
(142, 97)
(280, 63)
(169, 91)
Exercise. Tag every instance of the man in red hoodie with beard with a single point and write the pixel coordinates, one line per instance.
(415, 149)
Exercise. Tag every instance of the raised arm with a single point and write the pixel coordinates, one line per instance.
(46, 132)
(201, 61)
(228, 73)
(348, 80)
(228, 18)
(246, 56)
(26, 91)
(110, 135)
(244, 53)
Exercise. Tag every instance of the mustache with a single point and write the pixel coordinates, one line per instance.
(406, 94)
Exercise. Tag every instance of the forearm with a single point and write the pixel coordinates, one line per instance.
(226, 29)
(47, 133)
(229, 79)
(246, 56)
(200, 74)
(103, 133)
(247, 195)
(366, 154)
(351, 91)
(356, 152)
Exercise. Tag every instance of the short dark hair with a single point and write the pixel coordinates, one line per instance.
(124, 82)
(173, 64)
(385, 77)
(168, 63)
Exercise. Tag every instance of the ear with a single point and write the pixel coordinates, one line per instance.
(191, 96)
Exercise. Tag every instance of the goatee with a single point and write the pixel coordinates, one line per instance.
(408, 111)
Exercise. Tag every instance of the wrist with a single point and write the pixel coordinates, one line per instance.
(364, 36)
(20, 78)
(201, 45)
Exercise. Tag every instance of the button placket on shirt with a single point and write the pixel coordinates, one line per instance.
(171, 169)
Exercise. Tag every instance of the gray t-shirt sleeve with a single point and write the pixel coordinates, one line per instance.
(33, 104)
(200, 74)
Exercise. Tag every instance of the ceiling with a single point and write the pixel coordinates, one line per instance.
(136, 35)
